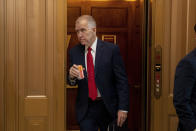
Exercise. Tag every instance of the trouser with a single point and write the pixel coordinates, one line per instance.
(97, 117)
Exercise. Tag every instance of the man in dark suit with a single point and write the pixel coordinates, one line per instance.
(185, 92)
(103, 92)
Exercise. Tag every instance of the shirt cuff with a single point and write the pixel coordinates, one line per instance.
(124, 111)
(72, 81)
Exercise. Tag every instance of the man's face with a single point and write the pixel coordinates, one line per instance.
(86, 35)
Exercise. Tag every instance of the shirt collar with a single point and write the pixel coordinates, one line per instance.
(93, 46)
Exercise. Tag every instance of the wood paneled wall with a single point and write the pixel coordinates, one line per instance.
(32, 65)
(172, 24)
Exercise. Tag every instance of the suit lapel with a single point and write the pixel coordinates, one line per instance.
(99, 52)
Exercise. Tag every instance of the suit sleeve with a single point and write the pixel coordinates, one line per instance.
(71, 82)
(183, 86)
(121, 81)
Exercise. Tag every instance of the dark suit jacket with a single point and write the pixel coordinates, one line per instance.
(185, 92)
(110, 78)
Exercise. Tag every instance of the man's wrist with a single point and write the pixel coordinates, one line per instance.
(72, 78)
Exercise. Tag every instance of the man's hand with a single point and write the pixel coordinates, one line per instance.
(122, 116)
(74, 72)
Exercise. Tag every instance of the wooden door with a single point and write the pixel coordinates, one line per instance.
(32, 65)
(117, 21)
(172, 29)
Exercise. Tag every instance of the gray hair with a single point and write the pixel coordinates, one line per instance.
(91, 21)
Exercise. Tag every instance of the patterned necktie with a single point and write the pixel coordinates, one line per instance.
(91, 76)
